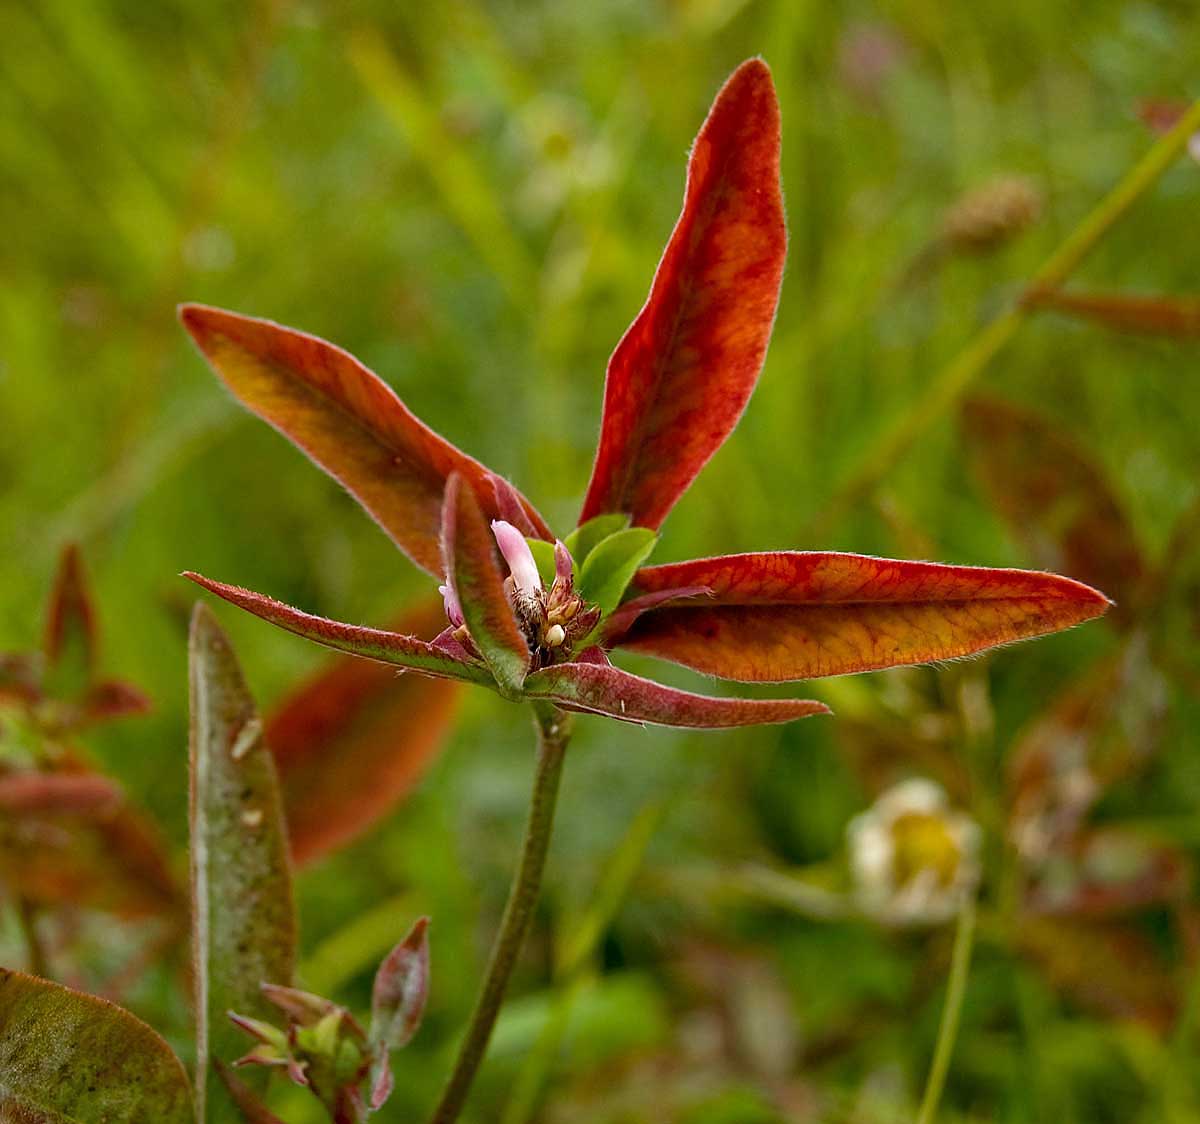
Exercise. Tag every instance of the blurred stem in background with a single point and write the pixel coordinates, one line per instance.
(950, 383)
(956, 989)
(554, 731)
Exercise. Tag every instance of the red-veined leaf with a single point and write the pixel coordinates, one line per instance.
(347, 419)
(69, 1058)
(243, 917)
(473, 571)
(371, 643)
(1055, 498)
(597, 689)
(800, 615)
(70, 643)
(682, 374)
(352, 741)
(1148, 314)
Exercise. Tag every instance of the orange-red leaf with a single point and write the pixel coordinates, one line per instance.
(473, 571)
(353, 741)
(347, 419)
(682, 375)
(599, 689)
(370, 643)
(1055, 498)
(793, 615)
(1156, 315)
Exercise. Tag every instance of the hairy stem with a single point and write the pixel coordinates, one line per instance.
(554, 730)
(948, 385)
(956, 989)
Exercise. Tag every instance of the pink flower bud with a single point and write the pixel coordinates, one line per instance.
(519, 557)
(454, 611)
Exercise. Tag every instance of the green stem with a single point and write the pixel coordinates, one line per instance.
(961, 371)
(554, 731)
(956, 989)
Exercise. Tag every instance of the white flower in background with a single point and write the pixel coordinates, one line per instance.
(915, 860)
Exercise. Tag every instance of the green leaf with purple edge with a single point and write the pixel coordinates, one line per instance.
(407, 652)
(598, 689)
(69, 1058)
(397, 1004)
(244, 923)
(473, 570)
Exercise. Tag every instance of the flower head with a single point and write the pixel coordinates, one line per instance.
(676, 386)
(915, 860)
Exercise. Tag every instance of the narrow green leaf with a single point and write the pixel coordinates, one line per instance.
(244, 925)
(69, 1058)
(585, 538)
(610, 565)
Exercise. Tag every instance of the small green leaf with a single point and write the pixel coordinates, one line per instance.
(543, 555)
(587, 536)
(244, 924)
(65, 1056)
(610, 565)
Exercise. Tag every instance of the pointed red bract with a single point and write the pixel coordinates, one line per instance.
(351, 742)
(597, 689)
(1055, 498)
(793, 615)
(473, 571)
(370, 643)
(347, 419)
(71, 619)
(1176, 317)
(682, 375)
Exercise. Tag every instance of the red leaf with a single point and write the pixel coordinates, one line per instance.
(111, 699)
(474, 572)
(682, 375)
(353, 741)
(371, 643)
(596, 689)
(1055, 498)
(800, 615)
(347, 419)
(1178, 317)
(70, 643)
(34, 793)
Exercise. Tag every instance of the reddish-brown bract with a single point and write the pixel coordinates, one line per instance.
(682, 375)
(347, 419)
(352, 741)
(599, 689)
(70, 616)
(793, 615)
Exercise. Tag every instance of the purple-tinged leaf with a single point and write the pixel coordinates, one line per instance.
(371, 643)
(397, 1004)
(70, 643)
(69, 1058)
(790, 615)
(473, 571)
(682, 374)
(621, 620)
(347, 419)
(243, 918)
(513, 508)
(1055, 498)
(596, 689)
(352, 741)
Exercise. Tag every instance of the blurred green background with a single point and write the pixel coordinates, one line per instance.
(471, 198)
